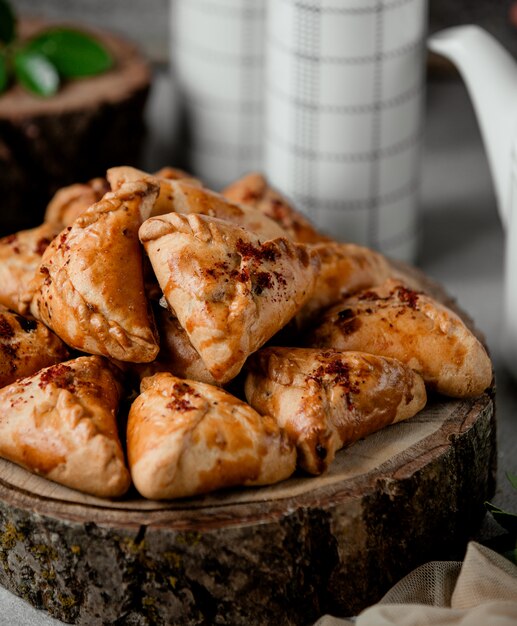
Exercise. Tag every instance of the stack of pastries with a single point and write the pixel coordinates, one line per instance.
(246, 343)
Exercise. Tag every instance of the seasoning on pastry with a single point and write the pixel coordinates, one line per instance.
(188, 196)
(90, 289)
(327, 399)
(26, 346)
(61, 424)
(20, 258)
(118, 176)
(393, 320)
(345, 269)
(229, 291)
(70, 202)
(190, 199)
(253, 190)
(186, 438)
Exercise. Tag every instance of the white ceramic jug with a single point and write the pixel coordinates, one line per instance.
(490, 74)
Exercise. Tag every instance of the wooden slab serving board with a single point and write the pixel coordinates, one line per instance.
(278, 555)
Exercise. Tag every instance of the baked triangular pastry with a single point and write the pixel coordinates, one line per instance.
(61, 424)
(70, 202)
(345, 269)
(177, 355)
(118, 176)
(188, 198)
(326, 399)
(186, 438)
(90, 287)
(229, 291)
(186, 195)
(393, 320)
(253, 190)
(26, 346)
(20, 257)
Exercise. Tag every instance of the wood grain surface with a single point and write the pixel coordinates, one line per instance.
(283, 554)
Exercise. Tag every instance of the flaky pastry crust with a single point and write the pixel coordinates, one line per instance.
(118, 176)
(26, 346)
(60, 423)
(177, 355)
(393, 320)
(90, 289)
(20, 258)
(186, 438)
(229, 291)
(253, 190)
(327, 399)
(345, 269)
(70, 202)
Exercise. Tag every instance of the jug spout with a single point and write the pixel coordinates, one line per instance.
(490, 74)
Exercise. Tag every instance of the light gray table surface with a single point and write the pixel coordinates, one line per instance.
(461, 247)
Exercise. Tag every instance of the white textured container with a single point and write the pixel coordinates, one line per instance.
(344, 95)
(217, 53)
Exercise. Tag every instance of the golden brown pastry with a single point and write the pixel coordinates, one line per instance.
(190, 199)
(70, 202)
(345, 269)
(117, 176)
(90, 290)
(186, 438)
(393, 320)
(253, 190)
(60, 423)
(26, 346)
(173, 173)
(20, 257)
(327, 399)
(229, 291)
(177, 355)
(186, 195)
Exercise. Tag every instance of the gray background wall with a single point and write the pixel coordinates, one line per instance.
(144, 21)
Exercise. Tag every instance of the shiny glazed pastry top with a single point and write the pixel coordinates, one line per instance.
(395, 321)
(228, 290)
(327, 399)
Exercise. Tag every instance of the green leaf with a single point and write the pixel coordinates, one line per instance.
(36, 73)
(4, 78)
(513, 479)
(507, 520)
(73, 54)
(7, 22)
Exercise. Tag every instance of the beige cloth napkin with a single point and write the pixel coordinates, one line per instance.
(481, 591)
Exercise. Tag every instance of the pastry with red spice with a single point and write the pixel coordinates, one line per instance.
(253, 190)
(396, 321)
(90, 289)
(26, 346)
(187, 195)
(117, 176)
(60, 423)
(186, 438)
(20, 258)
(345, 269)
(228, 290)
(327, 399)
